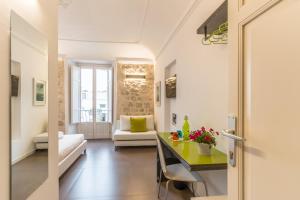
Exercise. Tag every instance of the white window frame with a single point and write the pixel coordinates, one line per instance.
(110, 90)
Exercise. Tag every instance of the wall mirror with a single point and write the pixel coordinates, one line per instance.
(29, 108)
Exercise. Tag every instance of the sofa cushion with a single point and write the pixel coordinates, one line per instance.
(125, 122)
(138, 124)
(127, 135)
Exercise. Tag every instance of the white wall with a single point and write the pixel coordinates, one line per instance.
(201, 83)
(31, 51)
(42, 14)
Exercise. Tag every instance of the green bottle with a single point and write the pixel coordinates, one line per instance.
(186, 129)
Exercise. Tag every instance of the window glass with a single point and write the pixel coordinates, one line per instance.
(86, 101)
(102, 108)
(91, 94)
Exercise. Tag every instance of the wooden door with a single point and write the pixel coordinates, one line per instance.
(265, 97)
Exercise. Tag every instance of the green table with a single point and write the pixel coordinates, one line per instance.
(188, 154)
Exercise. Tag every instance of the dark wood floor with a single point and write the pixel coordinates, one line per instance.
(28, 174)
(103, 174)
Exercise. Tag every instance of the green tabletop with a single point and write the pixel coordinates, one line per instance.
(188, 153)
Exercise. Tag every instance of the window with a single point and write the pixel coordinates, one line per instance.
(91, 94)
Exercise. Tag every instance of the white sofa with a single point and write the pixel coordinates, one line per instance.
(124, 137)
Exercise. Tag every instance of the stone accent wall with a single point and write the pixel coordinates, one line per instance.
(135, 96)
(61, 96)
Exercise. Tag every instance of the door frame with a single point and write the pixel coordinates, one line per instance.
(241, 13)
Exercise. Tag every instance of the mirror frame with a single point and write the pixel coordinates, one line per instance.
(15, 14)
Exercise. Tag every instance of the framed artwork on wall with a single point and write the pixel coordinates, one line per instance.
(158, 93)
(39, 92)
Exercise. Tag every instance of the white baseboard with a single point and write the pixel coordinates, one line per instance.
(22, 157)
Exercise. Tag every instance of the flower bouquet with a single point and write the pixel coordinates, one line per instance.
(206, 138)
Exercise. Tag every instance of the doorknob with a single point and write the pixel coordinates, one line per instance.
(232, 140)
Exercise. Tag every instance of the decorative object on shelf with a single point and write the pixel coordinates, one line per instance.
(186, 128)
(215, 28)
(158, 93)
(175, 136)
(180, 134)
(206, 139)
(39, 92)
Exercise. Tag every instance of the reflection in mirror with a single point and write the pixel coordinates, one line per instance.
(29, 108)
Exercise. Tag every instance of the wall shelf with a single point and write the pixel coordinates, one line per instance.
(220, 16)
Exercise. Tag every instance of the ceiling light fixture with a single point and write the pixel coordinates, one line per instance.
(135, 76)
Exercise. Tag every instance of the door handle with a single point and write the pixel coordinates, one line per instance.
(232, 139)
(229, 133)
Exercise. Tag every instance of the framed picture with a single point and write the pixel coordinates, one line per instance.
(14, 85)
(158, 93)
(39, 92)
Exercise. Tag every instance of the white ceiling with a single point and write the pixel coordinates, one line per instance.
(163, 17)
(102, 51)
(146, 22)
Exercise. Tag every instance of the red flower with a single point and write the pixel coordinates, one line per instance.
(202, 128)
(207, 138)
(217, 133)
(211, 130)
(192, 137)
(198, 133)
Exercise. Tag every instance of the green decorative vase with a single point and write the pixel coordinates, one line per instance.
(186, 129)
